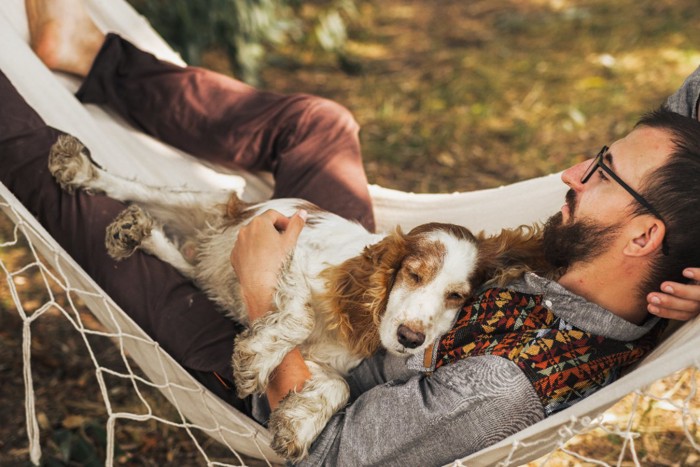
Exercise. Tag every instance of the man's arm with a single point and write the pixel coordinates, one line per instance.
(431, 420)
(260, 251)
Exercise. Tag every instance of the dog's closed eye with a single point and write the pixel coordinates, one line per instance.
(414, 277)
(455, 296)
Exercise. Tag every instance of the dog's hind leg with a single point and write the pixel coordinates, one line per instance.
(182, 211)
(302, 415)
(71, 166)
(134, 229)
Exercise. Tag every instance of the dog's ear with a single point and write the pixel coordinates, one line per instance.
(358, 291)
(386, 258)
(387, 253)
(510, 254)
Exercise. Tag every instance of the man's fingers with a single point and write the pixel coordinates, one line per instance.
(685, 291)
(294, 226)
(671, 314)
(276, 218)
(680, 301)
(692, 273)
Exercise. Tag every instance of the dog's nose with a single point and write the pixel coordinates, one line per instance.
(409, 338)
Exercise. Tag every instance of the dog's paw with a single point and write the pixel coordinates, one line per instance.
(127, 231)
(289, 425)
(301, 416)
(245, 362)
(70, 165)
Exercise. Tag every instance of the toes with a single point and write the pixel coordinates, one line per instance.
(294, 426)
(69, 163)
(246, 377)
(126, 233)
(284, 441)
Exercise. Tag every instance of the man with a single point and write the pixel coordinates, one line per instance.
(628, 219)
(113, 66)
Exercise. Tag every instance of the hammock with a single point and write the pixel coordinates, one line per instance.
(127, 152)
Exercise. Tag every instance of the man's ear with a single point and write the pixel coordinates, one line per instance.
(647, 235)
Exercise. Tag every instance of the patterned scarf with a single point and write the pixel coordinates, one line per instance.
(563, 363)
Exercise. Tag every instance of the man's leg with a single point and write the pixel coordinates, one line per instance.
(310, 144)
(166, 305)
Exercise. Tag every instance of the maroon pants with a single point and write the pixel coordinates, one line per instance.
(309, 144)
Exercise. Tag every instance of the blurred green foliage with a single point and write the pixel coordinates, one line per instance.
(243, 28)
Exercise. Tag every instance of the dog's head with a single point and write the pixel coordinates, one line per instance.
(404, 291)
(434, 266)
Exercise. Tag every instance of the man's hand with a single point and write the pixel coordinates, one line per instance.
(677, 301)
(260, 251)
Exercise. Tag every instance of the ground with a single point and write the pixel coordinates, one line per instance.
(450, 95)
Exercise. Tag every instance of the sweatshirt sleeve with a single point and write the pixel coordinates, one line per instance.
(430, 420)
(685, 100)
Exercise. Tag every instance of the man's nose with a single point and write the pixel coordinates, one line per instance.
(572, 176)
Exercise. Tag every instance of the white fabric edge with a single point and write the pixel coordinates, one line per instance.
(241, 432)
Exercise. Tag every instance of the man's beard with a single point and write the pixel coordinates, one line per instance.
(577, 241)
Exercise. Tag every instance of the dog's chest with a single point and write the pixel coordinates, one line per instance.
(323, 346)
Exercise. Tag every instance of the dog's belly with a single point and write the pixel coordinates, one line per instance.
(214, 273)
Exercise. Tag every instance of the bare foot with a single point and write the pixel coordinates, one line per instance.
(63, 35)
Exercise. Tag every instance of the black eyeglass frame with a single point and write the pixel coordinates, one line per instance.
(599, 162)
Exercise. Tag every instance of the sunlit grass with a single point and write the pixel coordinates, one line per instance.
(464, 95)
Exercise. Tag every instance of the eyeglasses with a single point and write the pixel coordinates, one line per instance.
(599, 163)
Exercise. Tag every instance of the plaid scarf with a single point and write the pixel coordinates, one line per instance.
(563, 363)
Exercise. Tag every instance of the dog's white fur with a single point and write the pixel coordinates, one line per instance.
(344, 292)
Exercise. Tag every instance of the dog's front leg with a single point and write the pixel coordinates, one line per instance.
(260, 349)
(134, 229)
(302, 415)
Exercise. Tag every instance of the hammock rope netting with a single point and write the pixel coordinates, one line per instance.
(661, 418)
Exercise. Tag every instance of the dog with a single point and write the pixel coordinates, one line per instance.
(343, 294)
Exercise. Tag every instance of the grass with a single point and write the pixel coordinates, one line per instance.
(456, 95)
(451, 95)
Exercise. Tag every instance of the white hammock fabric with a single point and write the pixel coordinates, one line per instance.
(125, 151)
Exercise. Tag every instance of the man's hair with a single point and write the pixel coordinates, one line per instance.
(674, 190)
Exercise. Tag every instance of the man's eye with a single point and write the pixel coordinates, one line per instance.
(602, 176)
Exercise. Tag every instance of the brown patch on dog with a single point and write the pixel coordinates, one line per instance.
(312, 209)
(357, 292)
(423, 263)
(457, 296)
(236, 211)
(415, 326)
(509, 254)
